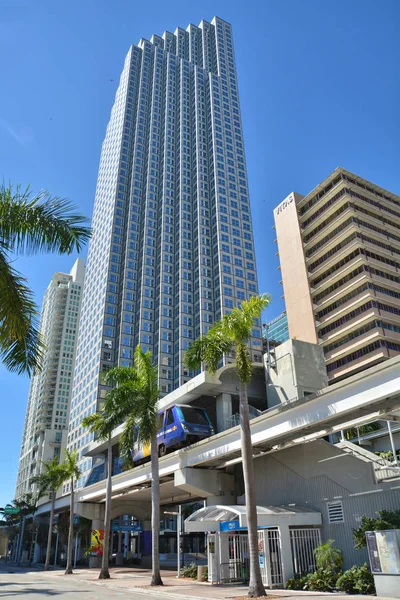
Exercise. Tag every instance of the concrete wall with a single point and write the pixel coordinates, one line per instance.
(294, 273)
(297, 367)
(317, 473)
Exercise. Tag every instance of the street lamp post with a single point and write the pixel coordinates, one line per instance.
(178, 533)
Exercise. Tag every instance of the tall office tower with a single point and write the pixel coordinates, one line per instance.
(46, 420)
(172, 246)
(339, 250)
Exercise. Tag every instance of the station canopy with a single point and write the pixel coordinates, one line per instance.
(234, 518)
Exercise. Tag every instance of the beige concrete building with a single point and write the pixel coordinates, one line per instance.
(339, 250)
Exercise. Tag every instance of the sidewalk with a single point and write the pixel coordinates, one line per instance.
(137, 579)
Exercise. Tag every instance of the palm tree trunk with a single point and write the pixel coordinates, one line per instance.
(256, 587)
(50, 535)
(155, 514)
(105, 573)
(68, 570)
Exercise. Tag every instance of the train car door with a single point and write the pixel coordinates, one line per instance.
(164, 441)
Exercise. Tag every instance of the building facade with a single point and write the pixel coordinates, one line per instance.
(172, 247)
(277, 330)
(339, 250)
(46, 420)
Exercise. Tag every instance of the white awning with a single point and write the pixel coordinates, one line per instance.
(233, 518)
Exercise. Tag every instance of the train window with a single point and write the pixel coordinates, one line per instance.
(170, 417)
(194, 415)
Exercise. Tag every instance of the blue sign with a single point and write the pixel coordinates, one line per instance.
(118, 527)
(261, 559)
(231, 526)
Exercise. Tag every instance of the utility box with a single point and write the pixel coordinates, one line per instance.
(384, 558)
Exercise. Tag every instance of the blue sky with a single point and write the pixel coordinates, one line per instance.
(319, 88)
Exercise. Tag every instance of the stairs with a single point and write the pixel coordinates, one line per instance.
(378, 464)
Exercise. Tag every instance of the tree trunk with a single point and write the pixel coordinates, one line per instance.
(105, 573)
(68, 570)
(256, 587)
(155, 515)
(50, 535)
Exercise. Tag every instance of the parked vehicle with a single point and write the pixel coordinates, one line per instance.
(179, 425)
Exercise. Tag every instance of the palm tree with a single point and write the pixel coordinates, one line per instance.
(231, 334)
(72, 472)
(27, 506)
(103, 424)
(135, 399)
(29, 224)
(328, 557)
(51, 478)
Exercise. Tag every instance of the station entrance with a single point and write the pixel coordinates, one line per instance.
(287, 537)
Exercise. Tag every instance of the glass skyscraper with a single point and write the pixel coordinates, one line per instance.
(277, 330)
(172, 247)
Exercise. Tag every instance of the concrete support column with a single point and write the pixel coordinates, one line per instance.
(36, 553)
(286, 552)
(119, 559)
(126, 544)
(223, 557)
(224, 410)
(227, 499)
(146, 538)
(95, 561)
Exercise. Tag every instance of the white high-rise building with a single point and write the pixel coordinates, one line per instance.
(46, 420)
(172, 247)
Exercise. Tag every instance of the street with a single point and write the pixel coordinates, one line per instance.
(17, 583)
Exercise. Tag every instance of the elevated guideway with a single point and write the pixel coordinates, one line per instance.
(372, 394)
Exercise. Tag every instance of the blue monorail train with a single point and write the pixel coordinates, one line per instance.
(179, 426)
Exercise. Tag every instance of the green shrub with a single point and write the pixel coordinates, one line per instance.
(386, 520)
(205, 574)
(297, 582)
(357, 580)
(323, 580)
(190, 571)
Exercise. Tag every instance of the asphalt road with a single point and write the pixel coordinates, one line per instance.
(16, 584)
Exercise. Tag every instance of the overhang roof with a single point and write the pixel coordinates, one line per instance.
(210, 518)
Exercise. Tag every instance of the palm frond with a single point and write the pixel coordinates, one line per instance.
(209, 349)
(102, 424)
(120, 375)
(147, 396)
(21, 347)
(147, 373)
(126, 440)
(52, 476)
(120, 402)
(253, 307)
(70, 464)
(40, 223)
(232, 332)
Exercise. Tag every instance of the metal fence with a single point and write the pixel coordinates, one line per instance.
(303, 543)
(275, 558)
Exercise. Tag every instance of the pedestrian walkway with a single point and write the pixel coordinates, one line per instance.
(137, 579)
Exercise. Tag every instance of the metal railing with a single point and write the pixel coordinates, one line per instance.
(234, 420)
(384, 469)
